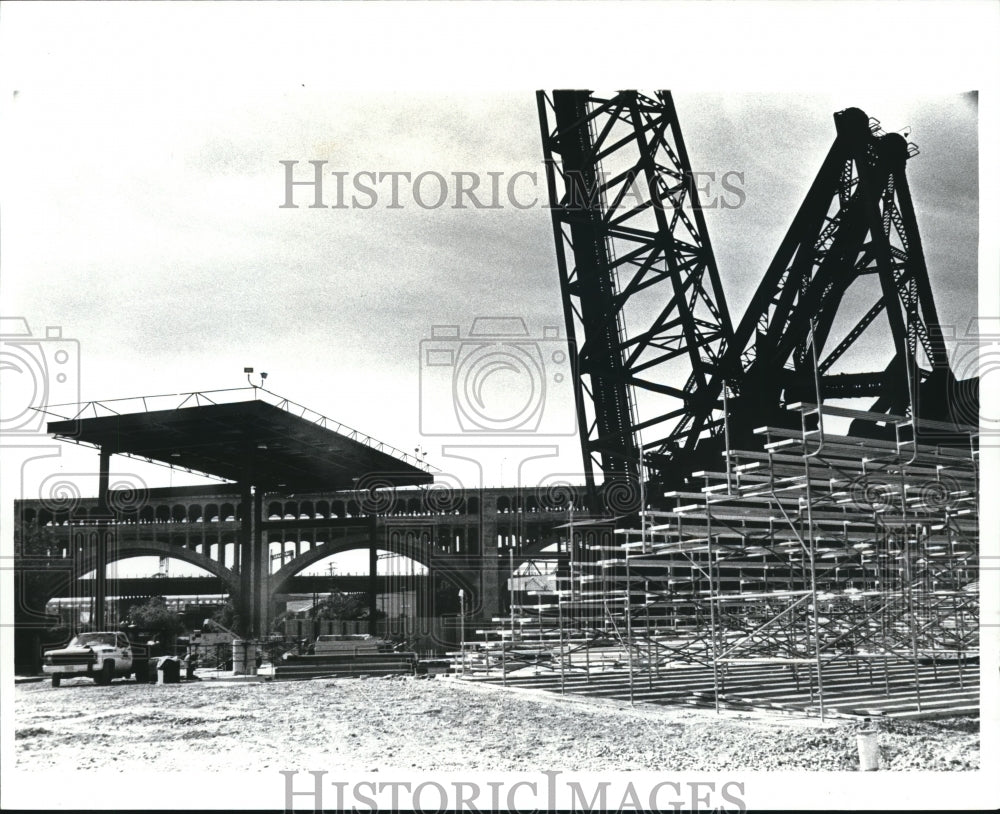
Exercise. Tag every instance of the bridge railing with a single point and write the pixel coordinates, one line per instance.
(139, 509)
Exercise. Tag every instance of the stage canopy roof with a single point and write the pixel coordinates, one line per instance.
(250, 442)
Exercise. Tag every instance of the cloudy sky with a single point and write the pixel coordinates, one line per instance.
(143, 212)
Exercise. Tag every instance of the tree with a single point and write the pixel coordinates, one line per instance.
(38, 571)
(39, 568)
(445, 596)
(227, 616)
(340, 606)
(155, 618)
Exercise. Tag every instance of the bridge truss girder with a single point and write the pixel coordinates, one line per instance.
(644, 308)
(856, 221)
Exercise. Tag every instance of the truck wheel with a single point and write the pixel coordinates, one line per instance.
(56, 678)
(141, 671)
(107, 673)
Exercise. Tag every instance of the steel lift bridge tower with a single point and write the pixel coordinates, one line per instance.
(659, 365)
(644, 306)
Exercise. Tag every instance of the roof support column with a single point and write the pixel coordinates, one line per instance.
(105, 531)
(490, 566)
(244, 605)
(262, 566)
(373, 575)
(253, 564)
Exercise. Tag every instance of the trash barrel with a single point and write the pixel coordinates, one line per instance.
(170, 670)
(140, 667)
(868, 757)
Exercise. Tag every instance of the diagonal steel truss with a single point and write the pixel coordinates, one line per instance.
(658, 361)
(642, 297)
(857, 221)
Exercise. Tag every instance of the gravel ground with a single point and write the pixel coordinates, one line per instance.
(435, 724)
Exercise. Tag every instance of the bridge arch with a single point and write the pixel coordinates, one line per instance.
(84, 564)
(419, 549)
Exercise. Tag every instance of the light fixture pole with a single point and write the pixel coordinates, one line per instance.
(263, 378)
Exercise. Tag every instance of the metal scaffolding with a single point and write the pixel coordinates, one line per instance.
(845, 566)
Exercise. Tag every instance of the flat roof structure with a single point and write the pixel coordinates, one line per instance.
(248, 442)
(260, 445)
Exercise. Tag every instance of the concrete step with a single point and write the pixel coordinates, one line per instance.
(349, 658)
(368, 664)
(847, 691)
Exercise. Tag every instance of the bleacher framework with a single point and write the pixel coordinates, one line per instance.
(827, 574)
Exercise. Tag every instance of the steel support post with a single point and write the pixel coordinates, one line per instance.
(711, 607)
(628, 630)
(104, 531)
(262, 567)
(373, 575)
(562, 657)
(812, 587)
(246, 604)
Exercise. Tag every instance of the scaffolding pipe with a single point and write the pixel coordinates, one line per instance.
(711, 611)
(562, 658)
(628, 631)
(815, 600)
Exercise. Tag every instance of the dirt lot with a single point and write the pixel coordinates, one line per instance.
(434, 724)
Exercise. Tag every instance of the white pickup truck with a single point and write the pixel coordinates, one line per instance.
(101, 656)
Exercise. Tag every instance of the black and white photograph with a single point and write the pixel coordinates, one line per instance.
(500, 406)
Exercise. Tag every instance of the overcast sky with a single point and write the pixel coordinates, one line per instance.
(145, 219)
(143, 216)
